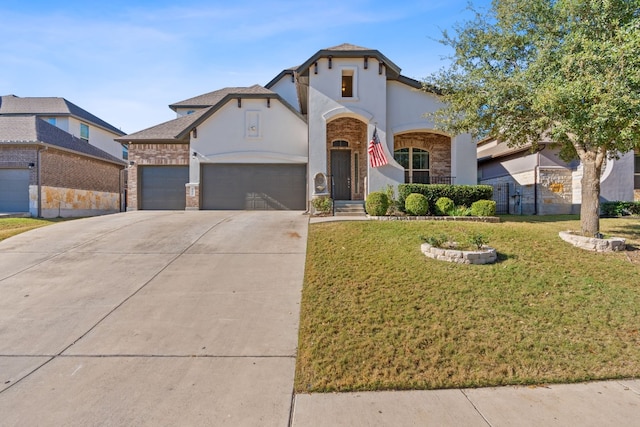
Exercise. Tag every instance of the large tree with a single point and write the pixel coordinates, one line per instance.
(565, 71)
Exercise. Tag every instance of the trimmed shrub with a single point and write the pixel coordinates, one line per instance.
(613, 209)
(377, 204)
(444, 205)
(483, 208)
(462, 195)
(322, 205)
(416, 204)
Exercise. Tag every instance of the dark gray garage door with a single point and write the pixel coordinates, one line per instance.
(163, 187)
(14, 190)
(253, 186)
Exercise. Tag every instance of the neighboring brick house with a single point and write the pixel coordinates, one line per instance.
(304, 134)
(541, 183)
(49, 173)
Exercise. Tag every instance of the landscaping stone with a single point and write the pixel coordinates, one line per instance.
(492, 219)
(484, 256)
(613, 244)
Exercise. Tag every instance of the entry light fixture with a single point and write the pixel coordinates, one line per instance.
(195, 154)
(32, 165)
(131, 163)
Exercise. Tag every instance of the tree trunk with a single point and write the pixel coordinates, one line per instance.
(590, 183)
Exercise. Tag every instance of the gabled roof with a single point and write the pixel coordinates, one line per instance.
(32, 130)
(347, 50)
(212, 98)
(171, 130)
(178, 129)
(11, 105)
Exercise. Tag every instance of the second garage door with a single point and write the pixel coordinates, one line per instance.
(14, 190)
(253, 186)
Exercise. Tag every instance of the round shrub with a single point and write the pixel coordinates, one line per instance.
(377, 203)
(322, 205)
(444, 205)
(483, 208)
(416, 204)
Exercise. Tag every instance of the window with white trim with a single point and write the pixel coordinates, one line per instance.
(84, 131)
(349, 86)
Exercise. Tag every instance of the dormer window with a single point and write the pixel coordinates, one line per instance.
(347, 83)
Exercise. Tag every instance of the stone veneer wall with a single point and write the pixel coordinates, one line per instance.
(438, 146)
(355, 133)
(153, 154)
(554, 188)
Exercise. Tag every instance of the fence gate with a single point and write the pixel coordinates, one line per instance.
(501, 197)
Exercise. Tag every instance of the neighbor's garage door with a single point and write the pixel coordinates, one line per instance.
(254, 186)
(163, 187)
(14, 190)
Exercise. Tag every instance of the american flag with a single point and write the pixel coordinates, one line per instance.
(376, 153)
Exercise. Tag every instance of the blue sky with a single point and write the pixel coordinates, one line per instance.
(126, 61)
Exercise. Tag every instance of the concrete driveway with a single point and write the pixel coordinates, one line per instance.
(152, 318)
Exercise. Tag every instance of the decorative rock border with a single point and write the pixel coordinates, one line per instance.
(613, 244)
(436, 218)
(486, 255)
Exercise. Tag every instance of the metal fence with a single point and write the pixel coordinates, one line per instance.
(501, 197)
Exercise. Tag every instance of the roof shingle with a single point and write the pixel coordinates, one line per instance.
(32, 130)
(43, 106)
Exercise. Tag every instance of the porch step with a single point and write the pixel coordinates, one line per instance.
(349, 208)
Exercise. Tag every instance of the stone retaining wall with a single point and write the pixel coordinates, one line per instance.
(485, 256)
(436, 218)
(592, 244)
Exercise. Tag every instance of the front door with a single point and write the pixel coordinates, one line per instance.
(341, 171)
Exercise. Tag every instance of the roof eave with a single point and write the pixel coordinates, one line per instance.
(325, 53)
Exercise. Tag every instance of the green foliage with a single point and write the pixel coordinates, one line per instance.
(566, 72)
(377, 203)
(416, 204)
(444, 205)
(460, 194)
(393, 209)
(459, 211)
(613, 209)
(437, 241)
(478, 240)
(322, 204)
(483, 208)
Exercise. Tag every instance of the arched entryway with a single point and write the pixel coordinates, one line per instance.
(425, 156)
(346, 158)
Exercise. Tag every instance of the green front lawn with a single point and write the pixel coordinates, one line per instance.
(12, 226)
(377, 314)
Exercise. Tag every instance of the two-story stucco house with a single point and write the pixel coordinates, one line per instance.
(57, 159)
(305, 133)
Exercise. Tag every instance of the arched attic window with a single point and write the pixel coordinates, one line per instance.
(415, 162)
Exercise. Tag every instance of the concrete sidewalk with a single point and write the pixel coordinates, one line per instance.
(605, 403)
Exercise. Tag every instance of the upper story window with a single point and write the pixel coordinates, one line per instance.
(52, 120)
(349, 83)
(415, 162)
(84, 131)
